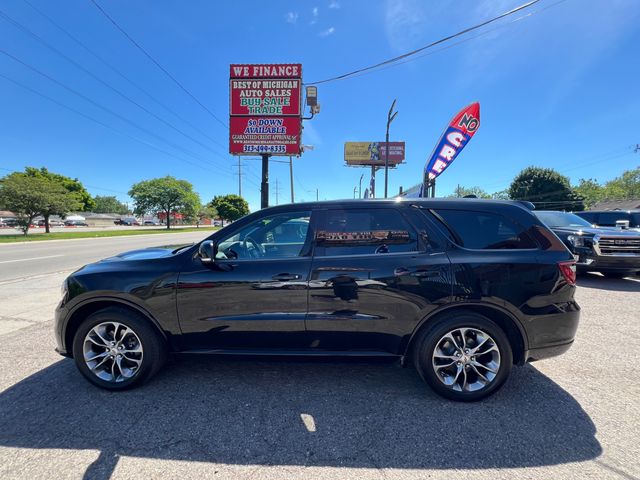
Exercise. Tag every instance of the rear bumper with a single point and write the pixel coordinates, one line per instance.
(553, 334)
(547, 352)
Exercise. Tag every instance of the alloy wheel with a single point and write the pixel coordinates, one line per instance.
(113, 352)
(466, 359)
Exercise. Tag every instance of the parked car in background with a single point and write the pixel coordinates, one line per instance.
(151, 223)
(625, 219)
(127, 221)
(8, 222)
(613, 252)
(75, 223)
(461, 289)
(52, 223)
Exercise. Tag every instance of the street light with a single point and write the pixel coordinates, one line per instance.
(360, 186)
(390, 118)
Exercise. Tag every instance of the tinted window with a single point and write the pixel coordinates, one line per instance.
(481, 230)
(276, 236)
(609, 219)
(588, 216)
(561, 219)
(365, 231)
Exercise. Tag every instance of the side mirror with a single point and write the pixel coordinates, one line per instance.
(206, 251)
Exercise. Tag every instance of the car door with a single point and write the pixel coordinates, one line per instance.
(254, 295)
(376, 272)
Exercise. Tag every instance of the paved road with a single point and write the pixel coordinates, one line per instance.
(574, 416)
(18, 260)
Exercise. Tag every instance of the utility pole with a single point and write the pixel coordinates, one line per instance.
(372, 184)
(355, 190)
(264, 184)
(239, 175)
(277, 191)
(317, 194)
(291, 177)
(390, 118)
(360, 186)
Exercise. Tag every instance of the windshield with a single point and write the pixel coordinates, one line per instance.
(562, 219)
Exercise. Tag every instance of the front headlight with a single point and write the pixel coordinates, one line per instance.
(576, 240)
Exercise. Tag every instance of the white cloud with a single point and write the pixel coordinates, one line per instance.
(291, 17)
(315, 11)
(404, 23)
(334, 4)
(315, 16)
(327, 32)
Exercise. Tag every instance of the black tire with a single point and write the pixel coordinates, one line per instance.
(153, 346)
(427, 341)
(616, 274)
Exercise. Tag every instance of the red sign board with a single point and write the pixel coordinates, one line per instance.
(265, 108)
(280, 70)
(258, 135)
(265, 96)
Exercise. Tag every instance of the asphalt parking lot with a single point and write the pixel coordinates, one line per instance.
(574, 416)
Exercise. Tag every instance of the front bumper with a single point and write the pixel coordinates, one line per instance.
(608, 263)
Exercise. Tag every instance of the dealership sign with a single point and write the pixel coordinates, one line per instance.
(265, 106)
(373, 153)
(264, 135)
(457, 134)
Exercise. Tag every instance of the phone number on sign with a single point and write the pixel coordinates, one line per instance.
(265, 148)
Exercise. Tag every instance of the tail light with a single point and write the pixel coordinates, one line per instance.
(568, 271)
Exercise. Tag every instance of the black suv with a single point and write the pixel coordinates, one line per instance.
(460, 288)
(612, 251)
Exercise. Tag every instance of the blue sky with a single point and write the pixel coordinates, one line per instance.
(558, 88)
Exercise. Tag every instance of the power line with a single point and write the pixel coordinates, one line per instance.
(418, 50)
(124, 134)
(157, 64)
(98, 79)
(102, 107)
(117, 71)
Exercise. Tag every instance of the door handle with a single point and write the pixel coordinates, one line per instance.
(283, 277)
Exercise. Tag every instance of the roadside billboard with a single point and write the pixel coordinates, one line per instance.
(373, 153)
(265, 109)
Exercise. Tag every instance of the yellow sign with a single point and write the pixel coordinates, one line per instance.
(373, 153)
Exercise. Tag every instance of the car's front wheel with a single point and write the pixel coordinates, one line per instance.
(117, 349)
(463, 356)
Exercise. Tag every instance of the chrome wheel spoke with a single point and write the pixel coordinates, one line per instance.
(99, 364)
(478, 364)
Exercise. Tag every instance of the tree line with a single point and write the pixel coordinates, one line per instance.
(550, 190)
(37, 192)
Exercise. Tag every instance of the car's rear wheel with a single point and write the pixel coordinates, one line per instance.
(116, 349)
(463, 356)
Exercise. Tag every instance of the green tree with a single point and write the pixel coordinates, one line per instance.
(230, 207)
(461, 191)
(590, 190)
(626, 186)
(166, 194)
(207, 212)
(79, 197)
(29, 196)
(109, 204)
(546, 189)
